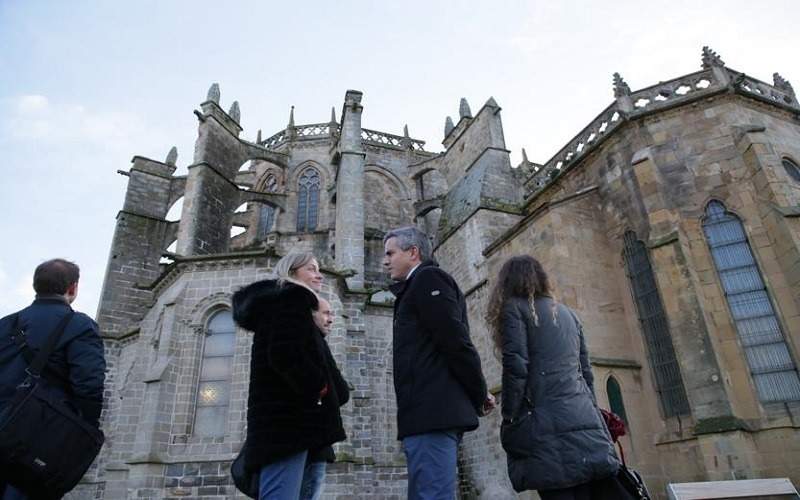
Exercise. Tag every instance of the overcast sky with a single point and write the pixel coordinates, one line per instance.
(85, 86)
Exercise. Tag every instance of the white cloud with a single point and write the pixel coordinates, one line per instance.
(36, 118)
(31, 104)
(18, 291)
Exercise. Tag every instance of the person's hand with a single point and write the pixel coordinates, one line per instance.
(322, 394)
(488, 405)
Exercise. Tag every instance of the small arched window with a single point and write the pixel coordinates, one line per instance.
(214, 386)
(307, 200)
(615, 399)
(792, 169)
(771, 365)
(266, 217)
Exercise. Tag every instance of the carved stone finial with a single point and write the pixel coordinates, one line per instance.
(172, 156)
(463, 109)
(291, 118)
(405, 130)
(620, 87)
(448, 126)
(234, 112)
(779, 82)
(258, 137)
(524, 156)
(213, 93)
(491, 102)
(711, 58)
(333, 114)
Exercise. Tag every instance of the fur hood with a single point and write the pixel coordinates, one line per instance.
(254, 303)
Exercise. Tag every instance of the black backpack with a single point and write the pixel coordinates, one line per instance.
(45, 445)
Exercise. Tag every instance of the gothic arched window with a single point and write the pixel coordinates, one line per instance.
(307, 200)
(615, 399)
(655, 329)
(771, 365)
(266, 216)
(214, 386)
(792, 169)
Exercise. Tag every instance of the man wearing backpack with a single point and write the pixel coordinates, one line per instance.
(76, 366)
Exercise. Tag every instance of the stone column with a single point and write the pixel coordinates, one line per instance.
(349, 240)
(139, 240)
(211, 194)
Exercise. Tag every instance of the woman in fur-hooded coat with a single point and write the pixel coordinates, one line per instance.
(295, 387)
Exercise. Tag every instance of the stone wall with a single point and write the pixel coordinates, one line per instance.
(140, 236)
(653, 175)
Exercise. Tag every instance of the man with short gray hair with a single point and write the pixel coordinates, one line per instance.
(438, 380)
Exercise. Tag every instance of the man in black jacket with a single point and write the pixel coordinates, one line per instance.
(438, 381)
(76, 368)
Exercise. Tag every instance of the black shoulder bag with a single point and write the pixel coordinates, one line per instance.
(45, 445)
(244, 479)
(629, 479)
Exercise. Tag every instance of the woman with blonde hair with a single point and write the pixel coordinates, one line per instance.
(296, 388)
(552, 431)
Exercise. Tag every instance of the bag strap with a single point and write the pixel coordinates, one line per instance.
(19, 338)
(49, 373)
(40, 360)
(621, 453)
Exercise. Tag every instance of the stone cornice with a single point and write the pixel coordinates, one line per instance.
(525, 221)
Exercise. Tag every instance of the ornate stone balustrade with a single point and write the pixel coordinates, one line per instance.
(274, 141)
(668, 93)
(760, 89)
(604, 124)
(629, 105)
(312, 131)
(318, 130)
(384, 139)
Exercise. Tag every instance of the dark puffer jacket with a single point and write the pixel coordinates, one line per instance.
(552, 430)
(290, 365)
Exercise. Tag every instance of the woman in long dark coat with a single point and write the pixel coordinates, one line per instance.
(295, 387)
(552, 431)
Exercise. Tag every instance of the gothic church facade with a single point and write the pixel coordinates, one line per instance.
(669, 223)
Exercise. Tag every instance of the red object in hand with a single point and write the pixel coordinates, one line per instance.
(616, 426)
(323, 392)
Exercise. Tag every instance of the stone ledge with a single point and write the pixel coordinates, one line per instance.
(615, 363)
(715, 425)
(530, 217)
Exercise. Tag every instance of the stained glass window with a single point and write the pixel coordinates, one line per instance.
(792, 169)
(307, 200)
(771, 365)
(213, 391)
(266, 217)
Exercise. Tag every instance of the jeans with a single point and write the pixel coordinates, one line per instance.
(10, 493)
(313, 480)
(432, 469)
(281, 480)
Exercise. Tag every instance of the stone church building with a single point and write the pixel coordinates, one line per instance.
(670, 223)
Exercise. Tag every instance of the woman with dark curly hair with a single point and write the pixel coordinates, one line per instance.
(552, 431)
(296, 388)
